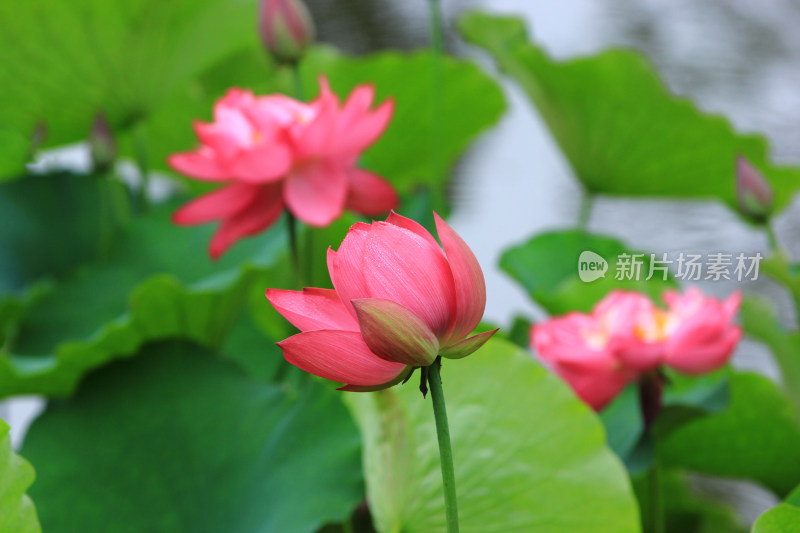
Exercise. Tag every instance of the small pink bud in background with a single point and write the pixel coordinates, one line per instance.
(102, 145)
(286, 29)
(753, 191)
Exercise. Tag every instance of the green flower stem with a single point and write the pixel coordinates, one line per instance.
(656, 500)
(437, 46)
(106, 221)
(586, 210)
(291, 225)
(651, 391)
(436, 26)
(297, 82)
(143, 162)
(776, 249)
(771, 237)
(445, 449)
(297, 86)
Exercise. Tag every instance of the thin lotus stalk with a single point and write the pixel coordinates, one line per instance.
(445, 447)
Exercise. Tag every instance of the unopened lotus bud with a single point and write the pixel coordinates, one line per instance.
(286, 29)
(753, 191)
(102, 145)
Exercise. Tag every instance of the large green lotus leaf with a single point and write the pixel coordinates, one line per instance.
(51, 223)
(547, 266)
(177, 440)
(420, 146)
(158, 282)
(528, 455)
(404, 154)
(785, 518)
(744, 440)
(619, 126)
(17, 513)
(63, 62)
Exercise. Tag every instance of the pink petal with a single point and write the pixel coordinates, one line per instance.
(364, 131)
(262, 212)
(316, 194)
(368, 193)
(595, 388)
(314, 138)
(356, 106)
(234, 99)
(638, 355)
(224, 143)
(470, 287)
(467, 346)
(339, 356)
(731, 304)
(278, 111)
(345, 269)
(361, 388)
(222, 203)
(312, 309)
(232, 121)
(562, 341)
(412, 225)
(401, 266)
(201, 164)
(263, 163)
(692, 357)
(394, 333)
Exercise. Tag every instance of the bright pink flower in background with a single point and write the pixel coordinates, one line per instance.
(399, 300)
(626, 336)
(274, 151)
(700, 336)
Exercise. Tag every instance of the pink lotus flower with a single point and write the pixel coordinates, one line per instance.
(399, 300)
(626, 336)
(273, 151)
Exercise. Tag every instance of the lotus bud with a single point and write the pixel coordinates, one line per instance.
(286, 29)
(753, 191)
(102, 145)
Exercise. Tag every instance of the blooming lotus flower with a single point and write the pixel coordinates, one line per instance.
(399, 300)
(274, 151)
(626, 336)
